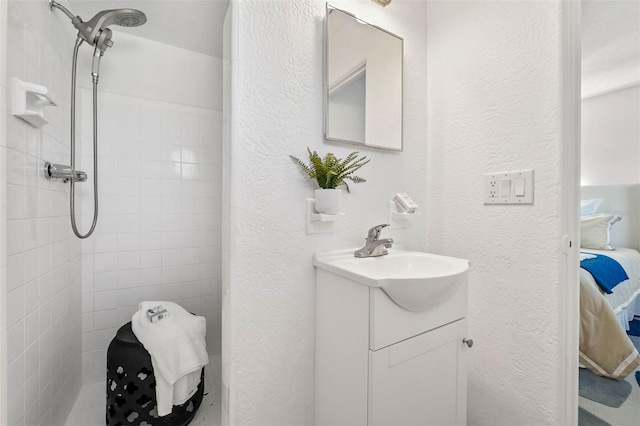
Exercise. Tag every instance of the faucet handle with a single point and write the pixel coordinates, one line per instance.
(374, 233)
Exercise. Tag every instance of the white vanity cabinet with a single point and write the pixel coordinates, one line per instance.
(380, 364)
(420, 381)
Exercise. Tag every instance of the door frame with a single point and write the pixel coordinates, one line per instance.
(570, 99)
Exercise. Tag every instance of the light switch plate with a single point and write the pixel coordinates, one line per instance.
(501, 188)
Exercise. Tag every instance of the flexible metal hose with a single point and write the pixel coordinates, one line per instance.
(73, 147)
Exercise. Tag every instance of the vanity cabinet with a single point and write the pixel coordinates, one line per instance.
(380, 364)
(420, 381)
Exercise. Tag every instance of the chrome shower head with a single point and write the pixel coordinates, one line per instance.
(91, 31)
(132, 18)
(95, 31)
(122, 17)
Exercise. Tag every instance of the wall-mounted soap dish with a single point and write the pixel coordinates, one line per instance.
(399, 219)
(28, 101)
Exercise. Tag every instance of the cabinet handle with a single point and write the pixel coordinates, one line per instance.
(469, 342)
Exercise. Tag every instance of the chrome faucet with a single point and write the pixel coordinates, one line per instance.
(374, 246)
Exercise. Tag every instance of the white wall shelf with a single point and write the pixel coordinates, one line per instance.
(320, 223)
(321, 217)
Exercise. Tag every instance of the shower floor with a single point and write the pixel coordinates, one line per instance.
(89, 408)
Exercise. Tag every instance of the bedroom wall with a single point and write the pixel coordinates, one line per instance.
(623, 200)
(277, 110)
(611, 138)
(493, 93)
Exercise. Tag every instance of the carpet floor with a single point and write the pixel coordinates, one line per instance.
(599, 413)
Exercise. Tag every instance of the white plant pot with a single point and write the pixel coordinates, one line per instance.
(329, 201)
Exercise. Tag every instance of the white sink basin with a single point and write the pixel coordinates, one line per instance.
(413, 280)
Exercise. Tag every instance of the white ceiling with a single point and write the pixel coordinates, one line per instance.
(610, 45)
(190, 24)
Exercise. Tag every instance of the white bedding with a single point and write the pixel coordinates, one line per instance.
(625, 299)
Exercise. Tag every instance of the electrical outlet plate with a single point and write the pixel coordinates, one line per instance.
(508, 187)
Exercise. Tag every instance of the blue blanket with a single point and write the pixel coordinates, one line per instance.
(607, 272)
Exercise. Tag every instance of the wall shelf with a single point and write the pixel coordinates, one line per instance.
(320, 223)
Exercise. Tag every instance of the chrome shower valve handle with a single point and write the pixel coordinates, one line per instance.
(66, 173)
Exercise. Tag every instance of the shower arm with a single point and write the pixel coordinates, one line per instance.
(53, 3)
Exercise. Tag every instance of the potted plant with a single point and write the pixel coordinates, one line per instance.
(331, 172)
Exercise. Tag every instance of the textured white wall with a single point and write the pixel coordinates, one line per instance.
(277, 111)
(493, 101)
(611, 138)
(43, 260)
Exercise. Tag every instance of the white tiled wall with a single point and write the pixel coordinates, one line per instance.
(3, 259)
(3, 213)
(158, 234)
(159, 228)
(43, 262)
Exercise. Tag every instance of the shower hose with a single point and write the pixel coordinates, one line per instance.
(73, 146)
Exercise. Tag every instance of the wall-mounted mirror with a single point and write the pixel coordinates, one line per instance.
(363, 82)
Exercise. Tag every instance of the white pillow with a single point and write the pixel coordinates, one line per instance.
(595, 231)
(589, 207)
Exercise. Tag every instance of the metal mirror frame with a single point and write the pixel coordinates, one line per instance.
(326, 81)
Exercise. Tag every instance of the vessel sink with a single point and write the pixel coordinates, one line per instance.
(413, 280)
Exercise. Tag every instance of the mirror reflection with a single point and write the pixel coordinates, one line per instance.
(363, 82)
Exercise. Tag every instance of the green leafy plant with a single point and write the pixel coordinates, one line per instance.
(330, 172)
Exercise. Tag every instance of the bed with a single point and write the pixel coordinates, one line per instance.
(604, 345)
(624, 300)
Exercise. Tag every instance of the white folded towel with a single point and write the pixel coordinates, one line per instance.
(178, 351)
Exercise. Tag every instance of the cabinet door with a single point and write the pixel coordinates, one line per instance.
(420, 381)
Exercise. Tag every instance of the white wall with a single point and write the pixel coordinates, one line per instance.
(148, 69)
(611, 138)
(3, 212)
(230, 40)
(494, 105)
(276, 111)
(43, 260)
(159, 229)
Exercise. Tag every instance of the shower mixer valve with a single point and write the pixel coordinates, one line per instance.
(66, 173)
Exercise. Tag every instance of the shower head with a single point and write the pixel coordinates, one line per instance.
(93, 32)
(122, 17)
